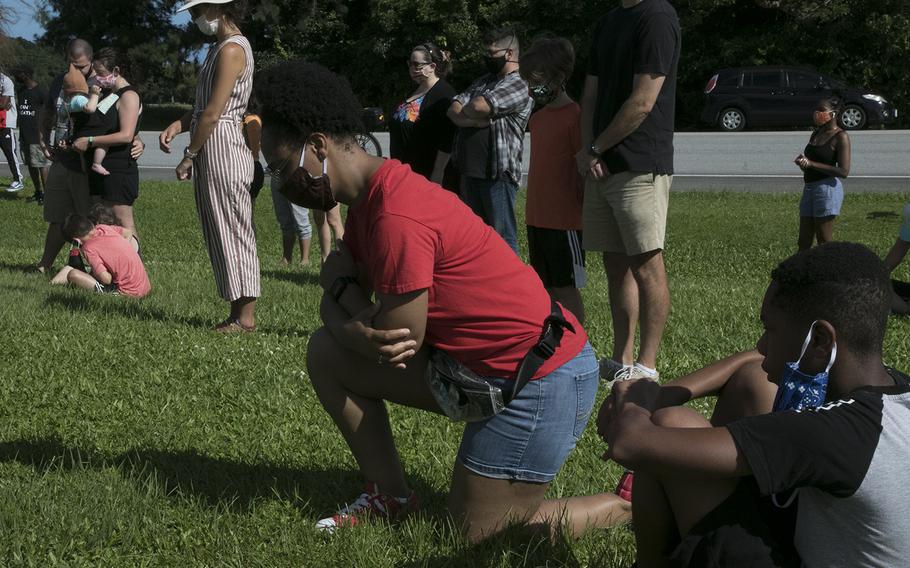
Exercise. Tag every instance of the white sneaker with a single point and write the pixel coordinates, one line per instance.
(634, 372)
(15, 186)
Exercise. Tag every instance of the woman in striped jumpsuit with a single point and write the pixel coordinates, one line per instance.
(222, 161)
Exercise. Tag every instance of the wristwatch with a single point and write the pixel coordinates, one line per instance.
(340, 285)
(594, 150)
(188, 154)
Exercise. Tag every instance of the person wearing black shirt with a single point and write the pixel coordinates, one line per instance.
(31, 99)
(718, 495)
(628, 109)
(825, 161)
(66, 189)
(420, 133)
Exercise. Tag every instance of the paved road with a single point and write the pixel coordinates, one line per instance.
(712, 161)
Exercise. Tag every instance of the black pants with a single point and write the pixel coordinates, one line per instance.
(9, 143)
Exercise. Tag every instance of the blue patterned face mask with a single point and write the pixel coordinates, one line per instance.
(801, 391)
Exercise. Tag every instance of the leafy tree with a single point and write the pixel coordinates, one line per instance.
(159, 54)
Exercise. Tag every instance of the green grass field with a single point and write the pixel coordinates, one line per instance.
(132, 435)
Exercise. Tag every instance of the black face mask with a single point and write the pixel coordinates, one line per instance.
(307, 191)
(543, 94)
(494, 64)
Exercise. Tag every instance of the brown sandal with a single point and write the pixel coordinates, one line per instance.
(231, 325)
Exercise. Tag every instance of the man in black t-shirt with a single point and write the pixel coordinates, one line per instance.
(31, 99)
(628, 108)
(714, 496)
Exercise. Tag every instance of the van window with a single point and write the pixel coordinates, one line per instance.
(729, 80)
(767, 79)
(803, 81)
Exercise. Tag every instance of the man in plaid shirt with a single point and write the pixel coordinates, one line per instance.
(491, 116)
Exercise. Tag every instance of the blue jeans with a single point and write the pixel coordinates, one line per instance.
(531, 439)
(293, 219)
(822, 198)
(493, 200)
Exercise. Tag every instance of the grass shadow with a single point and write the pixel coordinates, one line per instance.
(137, 309)
(299, 277)
(20, 267)
(518, 546)
(874, 215)
(125, 307)
(217, 483)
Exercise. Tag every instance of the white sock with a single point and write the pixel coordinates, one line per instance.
(647, 370)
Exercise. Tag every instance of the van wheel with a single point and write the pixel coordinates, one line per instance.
(853, 118)
(732, 120)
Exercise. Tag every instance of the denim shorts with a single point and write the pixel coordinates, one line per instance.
(531, 439)
(293, 219)
(822, 198)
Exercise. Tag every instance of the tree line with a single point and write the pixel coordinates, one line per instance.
(863, 43)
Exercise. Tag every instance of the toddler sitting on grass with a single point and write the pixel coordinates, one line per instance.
(116, 266)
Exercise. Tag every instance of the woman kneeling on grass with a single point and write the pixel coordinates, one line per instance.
(421, 290)
(116, 266)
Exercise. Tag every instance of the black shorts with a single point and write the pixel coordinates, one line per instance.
(119, 188)
(746, 530)
(902, 289)
(557, 256)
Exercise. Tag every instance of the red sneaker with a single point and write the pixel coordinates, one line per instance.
(370, 504)
(624, 488)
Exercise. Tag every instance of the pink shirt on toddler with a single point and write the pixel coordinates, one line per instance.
(108, 251)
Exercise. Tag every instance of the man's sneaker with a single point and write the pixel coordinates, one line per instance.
(370, 505)
(609, 368)
(15, 186)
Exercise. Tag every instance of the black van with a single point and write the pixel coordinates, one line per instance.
(786, 96)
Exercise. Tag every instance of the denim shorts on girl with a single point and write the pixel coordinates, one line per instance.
(531, 439)
(822, 198)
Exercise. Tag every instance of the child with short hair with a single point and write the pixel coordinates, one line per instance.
(82, 98)
(116, 266)
(555, 188)
(719, 494)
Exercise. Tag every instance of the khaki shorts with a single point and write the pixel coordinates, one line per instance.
(33, 156)
(626, 213)
(65, 192)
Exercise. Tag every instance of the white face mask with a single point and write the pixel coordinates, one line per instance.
(208, 27)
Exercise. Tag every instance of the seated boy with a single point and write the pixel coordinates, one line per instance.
(700, 491)
(116, 266)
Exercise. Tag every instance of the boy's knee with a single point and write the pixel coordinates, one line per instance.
(679, 417)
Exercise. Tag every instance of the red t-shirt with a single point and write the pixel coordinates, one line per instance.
(108, 251)
(485, 307)
(555, 188)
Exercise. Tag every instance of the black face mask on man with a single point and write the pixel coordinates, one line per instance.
(307, 191)
(495, 64)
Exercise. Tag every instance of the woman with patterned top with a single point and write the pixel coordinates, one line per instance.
(420, 133)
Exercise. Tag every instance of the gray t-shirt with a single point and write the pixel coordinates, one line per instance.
(848, 461)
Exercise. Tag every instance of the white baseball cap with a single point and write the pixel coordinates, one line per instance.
(192, 3)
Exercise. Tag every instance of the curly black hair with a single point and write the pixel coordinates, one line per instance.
(299, 98)
(845, 284)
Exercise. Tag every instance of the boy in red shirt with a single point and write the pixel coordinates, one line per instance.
(116, 266)
(555, 188)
